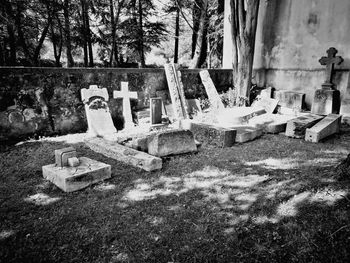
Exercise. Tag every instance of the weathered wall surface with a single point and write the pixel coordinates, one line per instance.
(292, 35)
(46, 101)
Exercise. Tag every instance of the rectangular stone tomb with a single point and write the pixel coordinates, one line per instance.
(296, 127)
(271, 123)
(213, 135)
(326, 127)
(247, 133)
(290, 99)
(124, 154)
(171, 142)
(71, 179)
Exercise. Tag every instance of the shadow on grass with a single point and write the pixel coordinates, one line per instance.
(270, 200)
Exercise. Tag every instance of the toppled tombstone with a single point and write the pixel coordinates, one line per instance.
(296, 127)
(71, 173)
(271, 123)
(247, 133)
(238, 115)
(328, 126)
(171, 142)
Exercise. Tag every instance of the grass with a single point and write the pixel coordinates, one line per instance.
(270, 200)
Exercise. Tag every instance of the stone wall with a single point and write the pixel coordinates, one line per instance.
(46, 101)
(292, 35)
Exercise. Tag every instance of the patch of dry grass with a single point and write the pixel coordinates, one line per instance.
(269, 200)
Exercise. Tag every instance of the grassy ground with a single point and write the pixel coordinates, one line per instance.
(269, 200)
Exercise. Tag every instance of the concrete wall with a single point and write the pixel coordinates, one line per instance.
(44, 101)
(292, 35)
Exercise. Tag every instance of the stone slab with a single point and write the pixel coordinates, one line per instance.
(326, 102)
(290, 99)
(247, 133)
(266, 103)
(213, 135)
(125, 154)
(71, 179)
(296, 127)
(328, 126)
(271, 123)
(213, 95)
(238, 115)
(171, 142)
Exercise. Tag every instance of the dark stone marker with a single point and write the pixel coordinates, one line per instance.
(156, 110)
(327, 99)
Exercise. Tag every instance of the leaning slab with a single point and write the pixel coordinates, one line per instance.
(296, 127)
(213, 135)
(71, 179)
(326, 127)
(247, 133)
(124, 154)
(212, 93)
(171, 142)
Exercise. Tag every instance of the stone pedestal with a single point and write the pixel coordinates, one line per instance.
(326, 101)
(71, 179)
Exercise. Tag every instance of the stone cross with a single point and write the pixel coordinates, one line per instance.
(126, 95)
(329, 61)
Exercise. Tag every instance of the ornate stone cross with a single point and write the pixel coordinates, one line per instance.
(126, 95)
(329, 61)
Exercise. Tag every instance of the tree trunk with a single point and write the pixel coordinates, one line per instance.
(112, 59)
(13, 46)
(177, 33)
(85, 49)
(70, 61)
(244, 17)
(200, 39)
(40, 45)
(88, 34)
(141, 48)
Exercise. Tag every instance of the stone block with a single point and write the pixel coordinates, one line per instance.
(268, 104)
(271, 123)
(326, 102)
(213, 135)
(296, 127)
(71, 179)
(238, 115)
(247, 133)
(290, 99)
(124, 154)
(62, 156)
(171, 142)
(326, 127)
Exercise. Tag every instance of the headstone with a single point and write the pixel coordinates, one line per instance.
(290, 99)
(266, 103)
(126, 95)
(98, 117)
(171, 142)
(266, 93)
(213, 95)
(176, 91)
(156, 110)
(213, 135)
(327, 99)
(326, 127)
(296, 127)
(71, 173)
(125, 154)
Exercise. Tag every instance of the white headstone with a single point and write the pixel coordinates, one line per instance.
(126, 95)
(99, 119)
(212, 93)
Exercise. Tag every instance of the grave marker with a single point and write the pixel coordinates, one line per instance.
(212, 93)
(156, 110)
(126, 95)
(296, 127)
(326, 127)
(98, 117)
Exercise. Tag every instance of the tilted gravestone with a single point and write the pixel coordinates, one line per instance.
(98, 117)
(126, 95)
(327, 99)
(214, 98)
(71, 173)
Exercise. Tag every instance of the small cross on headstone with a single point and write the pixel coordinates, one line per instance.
(329, 61)
(126, 95)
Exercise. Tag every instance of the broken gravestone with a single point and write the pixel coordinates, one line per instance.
(327, 99)
(213, 96)
(126, 95)
(71, 173)
(296, 127)
(98, 117)
(289, 102)
(326, 127)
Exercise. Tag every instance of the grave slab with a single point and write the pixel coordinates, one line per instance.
(290, 99)
(213, 95)
(71, 179)
(124, 154)
(271, 123)
(171, 142)
(247, 133)
(326, 127)
(213, 135)
(268, 104)
(98, 117)
(296, 127)
(238, 115)
(326, 102)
